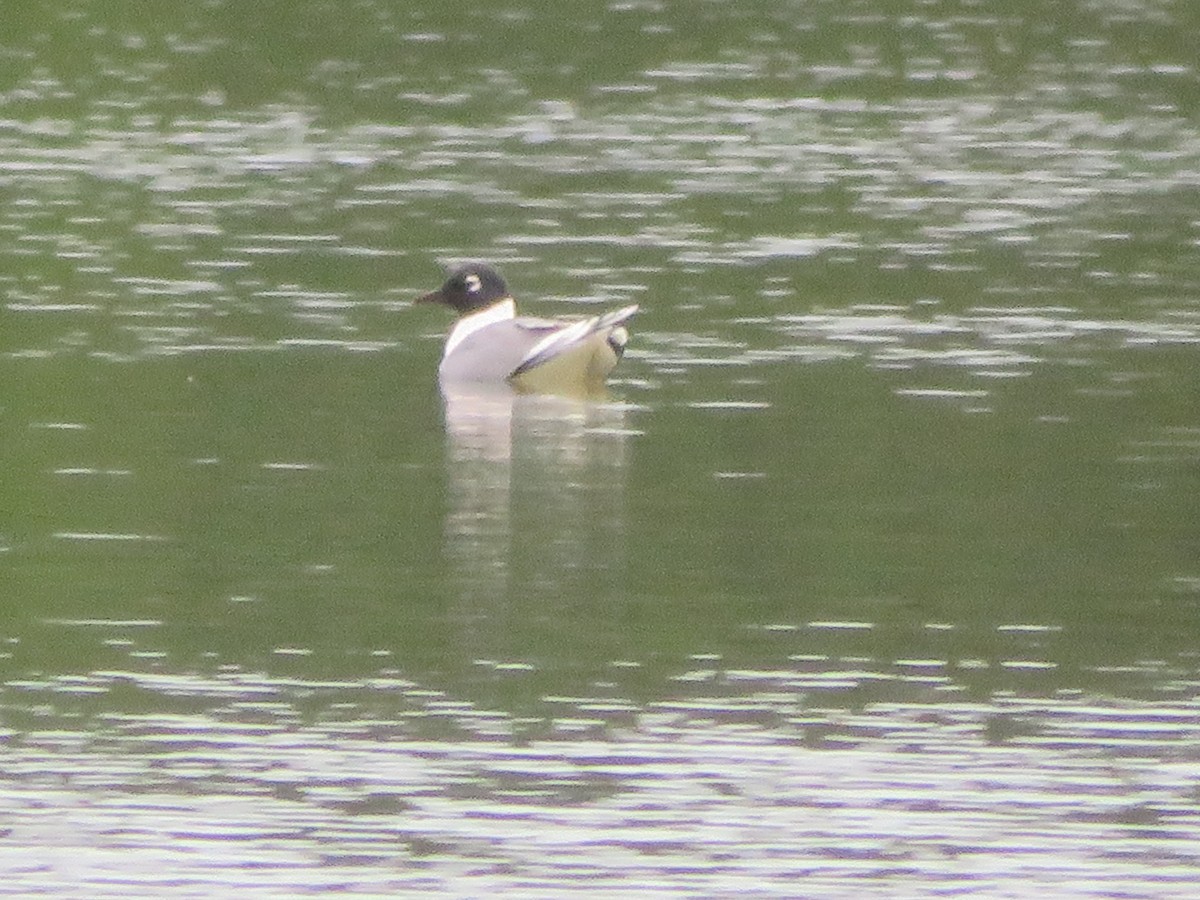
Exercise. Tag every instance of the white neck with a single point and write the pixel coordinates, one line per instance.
(500, 311)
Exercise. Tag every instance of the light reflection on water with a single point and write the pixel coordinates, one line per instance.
(1082, 798)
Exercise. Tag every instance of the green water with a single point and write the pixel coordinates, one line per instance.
(878, 568)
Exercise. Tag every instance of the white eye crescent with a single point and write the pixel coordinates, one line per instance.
(473, 283)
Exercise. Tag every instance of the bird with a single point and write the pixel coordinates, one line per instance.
(490, 343)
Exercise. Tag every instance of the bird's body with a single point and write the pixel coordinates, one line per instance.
(490, 343)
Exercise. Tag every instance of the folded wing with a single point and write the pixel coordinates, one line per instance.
(579, 338)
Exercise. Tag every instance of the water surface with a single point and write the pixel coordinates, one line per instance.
(875, 574)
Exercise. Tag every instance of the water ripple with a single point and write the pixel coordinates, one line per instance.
(717, 808)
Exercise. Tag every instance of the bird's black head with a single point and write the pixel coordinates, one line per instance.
(469, 288)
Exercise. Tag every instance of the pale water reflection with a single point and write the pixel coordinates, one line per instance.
(901, 799)
(543, 473)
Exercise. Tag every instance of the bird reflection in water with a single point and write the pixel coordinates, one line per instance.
(536, 495)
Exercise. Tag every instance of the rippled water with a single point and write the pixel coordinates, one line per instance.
(254, 801)
(875, 574)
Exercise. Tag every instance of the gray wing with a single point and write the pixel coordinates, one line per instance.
(563, 339)
(492, 353)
